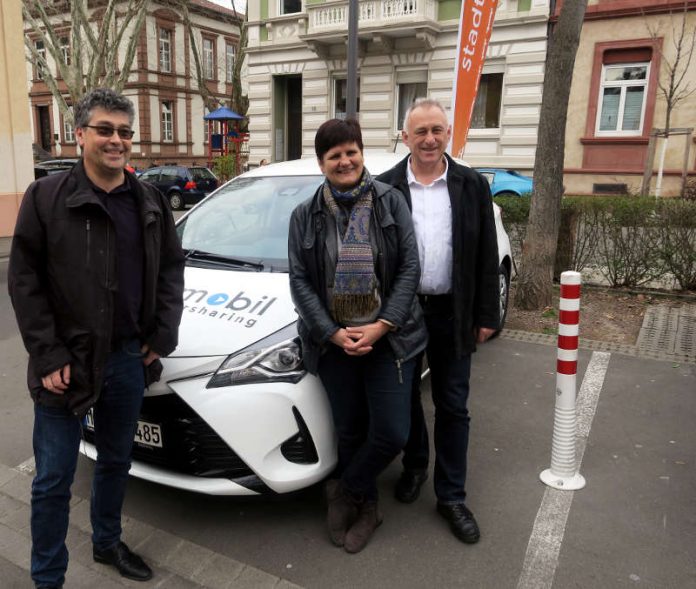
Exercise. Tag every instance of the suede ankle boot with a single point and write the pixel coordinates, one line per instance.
(342, 511)
(361, 531)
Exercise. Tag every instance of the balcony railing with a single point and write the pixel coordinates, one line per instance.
(371, 14)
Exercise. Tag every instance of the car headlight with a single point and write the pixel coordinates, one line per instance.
(279, 362)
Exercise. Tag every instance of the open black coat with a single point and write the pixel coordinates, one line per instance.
(475, 248)
(62, 281)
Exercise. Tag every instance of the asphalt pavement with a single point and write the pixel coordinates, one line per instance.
(633, 525)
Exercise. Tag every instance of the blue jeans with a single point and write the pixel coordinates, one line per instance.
(57, 435)
(449, 377)
(370, 404)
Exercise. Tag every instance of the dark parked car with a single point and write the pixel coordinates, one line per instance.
(507, 182)
(181, 185)
(48, 167)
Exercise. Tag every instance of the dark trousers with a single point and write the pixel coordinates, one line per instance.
(57, 435)
(370, 400)
(449, 378)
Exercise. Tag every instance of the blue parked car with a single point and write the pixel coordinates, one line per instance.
(507, 182)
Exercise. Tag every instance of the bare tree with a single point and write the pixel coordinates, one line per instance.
(98, 31)
(210, 100)
(240, 102)
(535, 281)
(673, 83)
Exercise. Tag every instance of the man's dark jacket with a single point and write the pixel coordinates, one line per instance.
(312, 241)
(62, 281)
(474, 245)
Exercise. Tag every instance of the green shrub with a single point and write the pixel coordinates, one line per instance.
(628, 241)
(224, 167)
(675, 220)
(515, 211)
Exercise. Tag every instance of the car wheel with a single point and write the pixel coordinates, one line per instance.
(176, 201)
(503, 295)
(506, 193)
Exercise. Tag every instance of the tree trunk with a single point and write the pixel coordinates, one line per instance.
(535, 285)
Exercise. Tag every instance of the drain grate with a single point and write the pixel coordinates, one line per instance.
(685, 341)
(669, 330)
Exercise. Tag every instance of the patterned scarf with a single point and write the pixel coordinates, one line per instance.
(355, 284)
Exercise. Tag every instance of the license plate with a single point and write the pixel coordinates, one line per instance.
(147, 434)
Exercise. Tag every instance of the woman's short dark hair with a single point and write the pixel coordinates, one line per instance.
(104, 98)
(335, 132)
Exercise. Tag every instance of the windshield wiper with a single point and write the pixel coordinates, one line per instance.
(193, 254)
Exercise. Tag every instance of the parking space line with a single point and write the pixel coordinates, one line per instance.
(27, 467)
(541, 558)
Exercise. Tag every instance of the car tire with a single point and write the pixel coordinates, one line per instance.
(506, 193)
(176, 201)
(503, 296)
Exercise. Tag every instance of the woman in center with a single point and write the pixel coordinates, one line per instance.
(353, 276)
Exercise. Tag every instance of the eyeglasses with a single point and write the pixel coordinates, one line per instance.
(108, 131)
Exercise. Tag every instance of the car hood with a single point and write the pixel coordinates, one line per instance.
(227, 310)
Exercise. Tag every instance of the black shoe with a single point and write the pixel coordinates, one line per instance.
(408, 486)
(461, 521)
(127, 563)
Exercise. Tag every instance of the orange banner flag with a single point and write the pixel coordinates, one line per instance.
(475, 27)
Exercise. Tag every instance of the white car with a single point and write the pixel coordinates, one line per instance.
(235, 413)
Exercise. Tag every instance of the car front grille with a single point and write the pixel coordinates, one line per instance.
(191, 446)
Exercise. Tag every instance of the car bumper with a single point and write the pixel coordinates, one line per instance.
(238, 440)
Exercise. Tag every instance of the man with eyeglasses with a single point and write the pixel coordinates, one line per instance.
(96, 281)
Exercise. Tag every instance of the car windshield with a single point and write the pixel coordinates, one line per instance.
(248, 219)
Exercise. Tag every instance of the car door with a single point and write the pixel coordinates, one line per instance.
(151, 176)
(205, 180)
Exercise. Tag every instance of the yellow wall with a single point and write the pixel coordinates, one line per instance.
(684, 115)
(16, 159)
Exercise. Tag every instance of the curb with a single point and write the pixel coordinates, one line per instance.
(597, 346)
(177, 563)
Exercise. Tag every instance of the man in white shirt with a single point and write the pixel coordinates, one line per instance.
(453, 218)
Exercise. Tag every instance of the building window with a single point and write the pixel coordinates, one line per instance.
(165, 50)
(229, 62)
(41, 50)
(65, 49)
(340, 97)
(208, 59)
(290, 6)
(622, 99)
(486, 113)
(407, 94)
(167, 121)
(68, 130)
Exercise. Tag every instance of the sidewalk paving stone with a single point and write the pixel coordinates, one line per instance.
(177, 563)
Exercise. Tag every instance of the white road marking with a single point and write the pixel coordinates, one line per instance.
(544, 545)
(28, 466)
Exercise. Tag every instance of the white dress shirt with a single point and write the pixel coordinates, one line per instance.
(432, 221)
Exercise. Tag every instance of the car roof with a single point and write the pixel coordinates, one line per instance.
(375, 162)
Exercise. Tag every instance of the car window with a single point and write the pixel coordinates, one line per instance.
(169, 175)
(150, 175)
(202, 174)
(248, 218)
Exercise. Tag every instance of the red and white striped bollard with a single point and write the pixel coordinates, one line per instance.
(563, 472)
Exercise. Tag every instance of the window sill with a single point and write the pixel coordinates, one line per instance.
(618, 140)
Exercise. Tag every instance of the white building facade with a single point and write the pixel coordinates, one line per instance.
(407, 49)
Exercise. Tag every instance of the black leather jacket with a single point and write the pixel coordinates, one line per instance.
(312, 232)
(62, 282)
